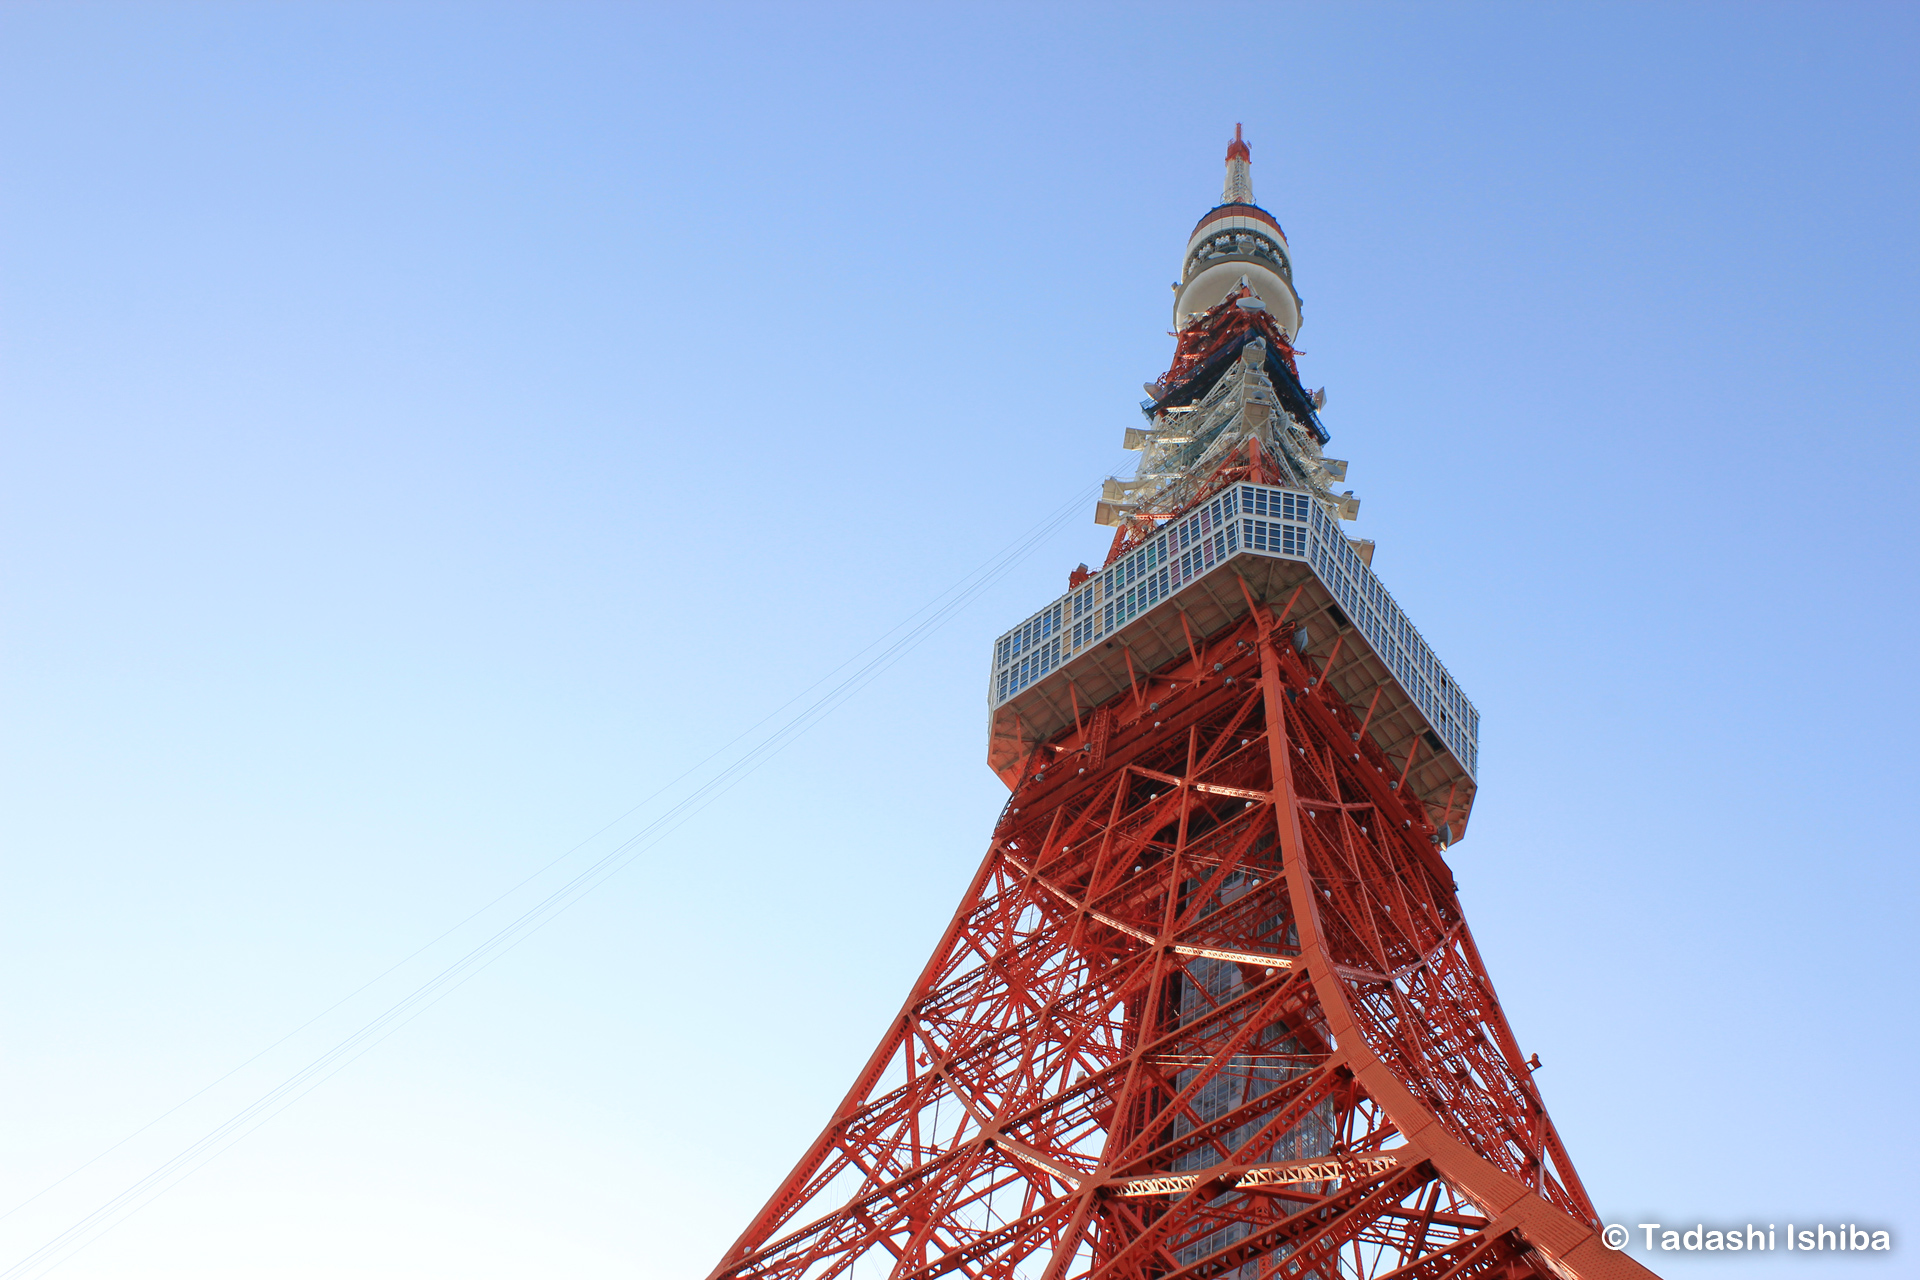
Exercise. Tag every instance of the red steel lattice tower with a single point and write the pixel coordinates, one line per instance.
(1210, 1007)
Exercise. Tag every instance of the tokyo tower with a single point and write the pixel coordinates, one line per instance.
(1210, 1006)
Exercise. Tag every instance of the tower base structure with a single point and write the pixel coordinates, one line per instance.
(1210, 1008)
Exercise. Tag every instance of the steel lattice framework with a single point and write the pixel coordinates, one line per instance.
(1209, 1008)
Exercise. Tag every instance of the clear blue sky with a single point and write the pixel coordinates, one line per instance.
(429, 428)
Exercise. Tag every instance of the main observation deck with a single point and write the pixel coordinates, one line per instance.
(1097, 640)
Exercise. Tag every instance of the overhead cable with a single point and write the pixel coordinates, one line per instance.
(906, 635)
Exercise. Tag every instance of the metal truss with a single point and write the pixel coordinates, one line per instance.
(1233, 379)
(1208, 1009)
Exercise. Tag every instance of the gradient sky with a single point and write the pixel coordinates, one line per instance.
(430, 428)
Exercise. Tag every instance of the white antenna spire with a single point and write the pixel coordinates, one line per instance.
(1239, 184)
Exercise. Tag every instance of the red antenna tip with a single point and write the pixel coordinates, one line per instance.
(1238, 149)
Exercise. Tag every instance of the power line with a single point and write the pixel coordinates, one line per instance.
(909, 634)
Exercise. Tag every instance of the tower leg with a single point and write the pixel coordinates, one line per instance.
(1208, 1009)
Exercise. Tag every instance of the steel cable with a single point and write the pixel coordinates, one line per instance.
(164, 1177)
